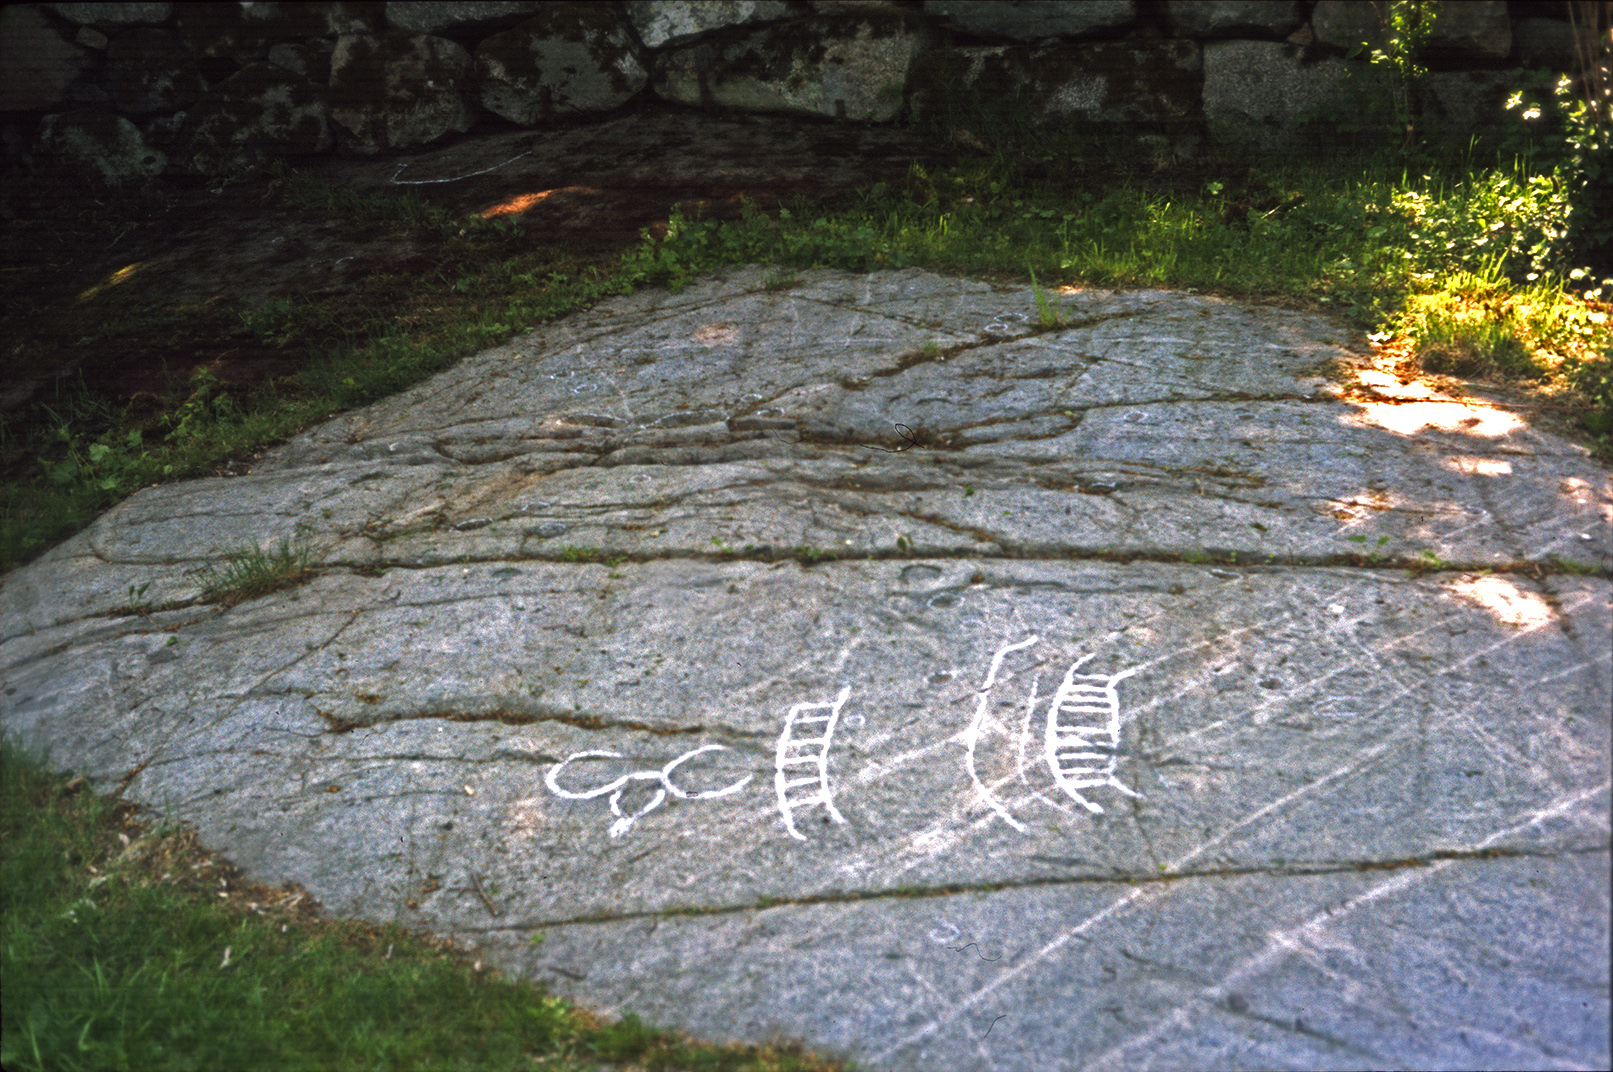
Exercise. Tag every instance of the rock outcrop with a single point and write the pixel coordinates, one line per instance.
(859, 659)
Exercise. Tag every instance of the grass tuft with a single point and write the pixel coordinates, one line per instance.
(249, 572)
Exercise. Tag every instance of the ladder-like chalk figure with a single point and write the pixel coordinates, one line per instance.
(1083, 733)
(811, 753)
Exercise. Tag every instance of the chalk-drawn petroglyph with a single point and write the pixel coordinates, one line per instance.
(1080, 736)
(1081, 754)
(809, 752)
(1080, 747)
(1005, 323)
(972, 737)
(623, 822)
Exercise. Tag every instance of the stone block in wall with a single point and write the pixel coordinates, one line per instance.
(1120, 82)
(1456, 104)
(1268, 96)
(1473, 31)
(1112, 82)
(152, 72)
(219, 31)
(1343, 24)
(451, 19)
(284, 21)
(112, 16)
(162, 132)
(395, 90)
(968, 87)
(100, 143)
(1547, 43)
(1032, 20)
(572, 58)
(36, 65)
(310, 61)
(1234, 18)
(847, 66)
(246, 31)
(259, 113)
(675, 22)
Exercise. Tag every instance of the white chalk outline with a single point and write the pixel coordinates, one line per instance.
(428, 182)
(1084, 756)
(972, 737)
(817, 755)
(624, 823)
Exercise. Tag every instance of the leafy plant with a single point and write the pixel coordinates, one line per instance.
(1568, 137)
(1407, 26)
(138, 603)
(207, 406)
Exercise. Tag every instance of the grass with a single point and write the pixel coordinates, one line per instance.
(250, 571)
(125, 945)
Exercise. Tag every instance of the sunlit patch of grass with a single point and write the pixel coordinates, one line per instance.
(1471, 327)
(1481, 326)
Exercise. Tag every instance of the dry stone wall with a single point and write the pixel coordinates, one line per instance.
(130, 91)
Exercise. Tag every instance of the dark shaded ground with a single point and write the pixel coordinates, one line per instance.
(585, 190)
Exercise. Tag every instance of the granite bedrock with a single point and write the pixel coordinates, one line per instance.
(853, 658)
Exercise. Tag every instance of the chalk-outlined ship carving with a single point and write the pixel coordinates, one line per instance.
(977, 728)
(1082, 739)
(812, 753)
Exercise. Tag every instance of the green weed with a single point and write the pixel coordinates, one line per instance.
(249, 571)
(775, 279)
(1428, 561)
(1578, 569)
(1049, 311)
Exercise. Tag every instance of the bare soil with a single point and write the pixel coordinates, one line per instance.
(589, 191)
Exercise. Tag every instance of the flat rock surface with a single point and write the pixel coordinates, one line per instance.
(858, 659)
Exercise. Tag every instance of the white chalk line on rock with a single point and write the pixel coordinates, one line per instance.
(1135, 893)
(457, 178)
(1296, 940)
(1078, 756)
(1153, 893)
(972, 736)
(810, 752)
